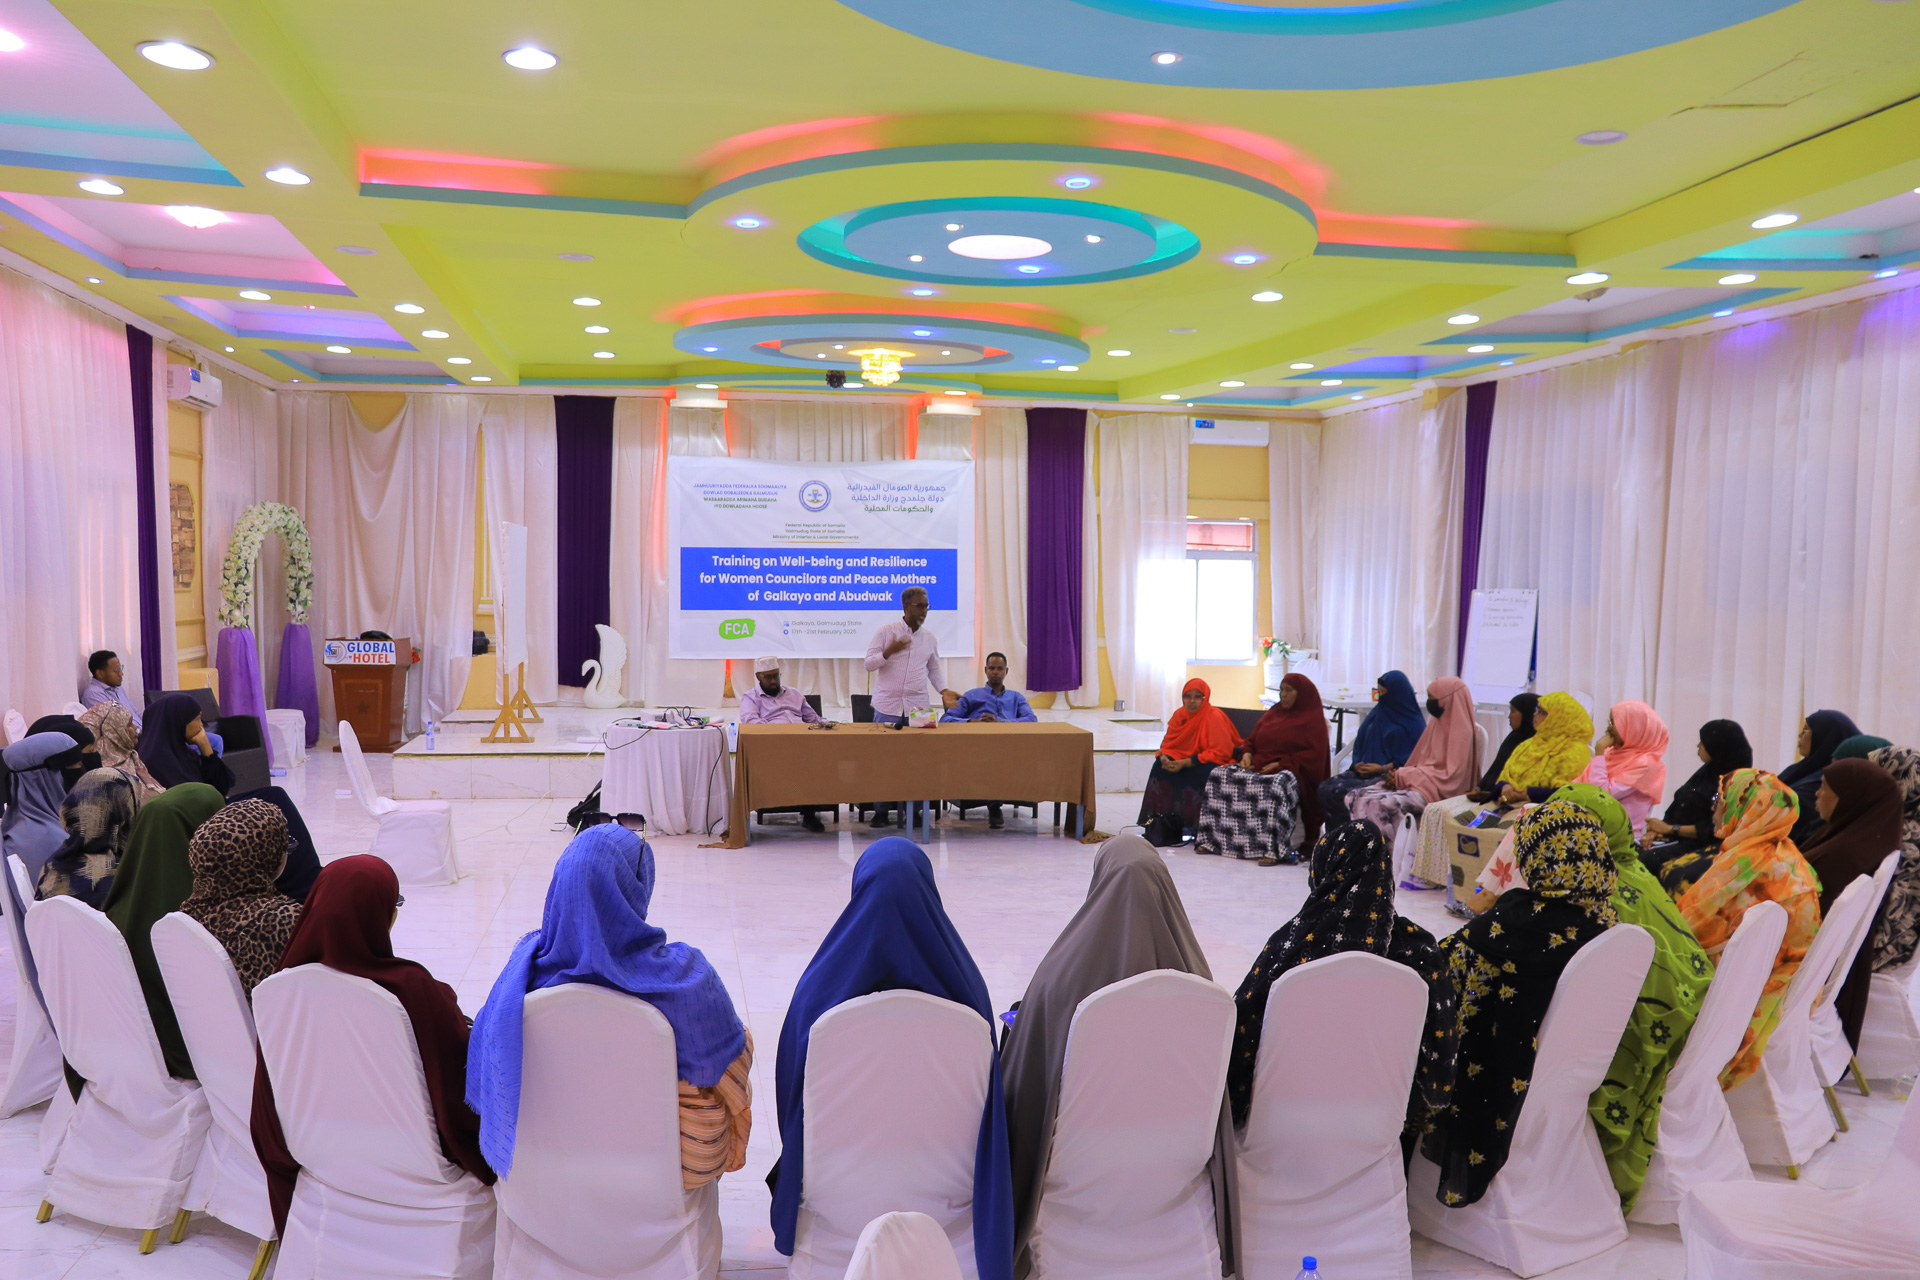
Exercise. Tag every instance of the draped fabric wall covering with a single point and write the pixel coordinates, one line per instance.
(1478, 438)
(239, 466)
(1143, 552)
(391, 513)
(999, 453)
(1293, 489)
(1057, 460)
(69, 498)
(584, 426)
(520, 464)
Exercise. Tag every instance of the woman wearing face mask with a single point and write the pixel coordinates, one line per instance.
(1681, 845)
(1631, 764)
(1384, 741)
(1443, 763)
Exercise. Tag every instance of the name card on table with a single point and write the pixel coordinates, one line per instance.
(358, 653)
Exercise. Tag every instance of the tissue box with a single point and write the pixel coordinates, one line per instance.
(923, 718)
(1468, 848)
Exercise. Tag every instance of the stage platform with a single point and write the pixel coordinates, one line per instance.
(566, 756)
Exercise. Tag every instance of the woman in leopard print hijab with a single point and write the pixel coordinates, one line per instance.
(235, 856)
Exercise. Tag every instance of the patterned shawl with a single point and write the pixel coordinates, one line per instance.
(98, 815)
(1558, 750)
(1898, 934)
(112, 726)
(235, 856)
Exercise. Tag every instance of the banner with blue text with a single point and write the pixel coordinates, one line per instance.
(810, 558)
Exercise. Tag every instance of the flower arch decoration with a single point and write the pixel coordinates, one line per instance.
(243, 553)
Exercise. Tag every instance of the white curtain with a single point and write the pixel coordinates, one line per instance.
(1293, 554)
(948, 437)
(1576, 508)
(391, 512)
(69, 523)
(1392, 482)
(240, 465)
(520, 464)
(999, 452)
(1143, 552)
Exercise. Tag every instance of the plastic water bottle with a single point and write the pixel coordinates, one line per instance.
(430, 745)
(733, 735)
(1309, 1269)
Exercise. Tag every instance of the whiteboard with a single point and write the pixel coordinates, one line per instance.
(1500, 626)
(512, 596)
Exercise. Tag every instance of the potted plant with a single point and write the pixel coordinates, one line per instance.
(1278, 657)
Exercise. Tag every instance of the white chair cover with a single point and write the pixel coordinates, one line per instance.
(1831, 1052)
(895, 1086)
(136, 1132)
(75, 708)
(1697, 1142)
(1553, 1203)
(287, 736)
(1775, 1231)
(903, 1246)
(16, 725)
(34, 1071)
(1890, 1037)
(376, 1195)
(1779, 1109)
(1320, 1166)
(217, 1025)
(595, 1187)
(1127, 1191)
(415, 836)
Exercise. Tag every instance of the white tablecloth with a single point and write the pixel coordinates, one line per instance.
(287, 736)
(681, 779)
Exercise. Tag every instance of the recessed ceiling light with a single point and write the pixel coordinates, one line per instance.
(839, 346)
(953, 226)
(1094, 239)
(196, 216)
(288, 176)
(1718, 315)
(999, 248)
(480, 377)
(11, 43)
(1505, 363)
(341, 351)
(586, 302)
(1119, 351)
(1886, 273)
(530, 58)
(357, 250)
(1589, 277)
(1465, 317)
(433, 333)
(1170, 397)
(748, 223)
(915, 257)
(709, 348)
(603, 355)
(1739, 277)
(1165, 58)
(226, 349)
(1235, 382)
(256, 295)
(575, 257)
(1069, 368)
(1480, 348)
(293, 379)
(1357, 396)
(706, 386)
(956, 393)
(458, 360)
(1268, 295)
(101, 187)
(923, 333)
(858, 386)
(1773, 220)
(1078, 182)
(1601, 137)
(93, 279)
(948, 353)
(1244, 259)
(819, 355)
(921, 293)
(600, 328)
(171, 53)
(1329, 382)
(409, 308)
(1300, 364)
(1027, 269)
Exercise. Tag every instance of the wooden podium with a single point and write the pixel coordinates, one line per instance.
(370, 688)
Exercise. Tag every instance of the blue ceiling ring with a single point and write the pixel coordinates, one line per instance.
(1026, 348)
(1170, 243)
(1365, 46)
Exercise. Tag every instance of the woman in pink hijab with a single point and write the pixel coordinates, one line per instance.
(1629, 761)
(1445, 762)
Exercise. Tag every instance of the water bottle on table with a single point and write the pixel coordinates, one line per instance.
(1309, 1269)
(430, 746)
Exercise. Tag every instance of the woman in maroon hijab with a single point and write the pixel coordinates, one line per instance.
(346, 925)
(1250, 815)
(1293, 736)
(1861, 807)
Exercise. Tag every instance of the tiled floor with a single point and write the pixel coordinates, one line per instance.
(758, 914)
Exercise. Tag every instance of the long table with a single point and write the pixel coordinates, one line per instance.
(778, 766)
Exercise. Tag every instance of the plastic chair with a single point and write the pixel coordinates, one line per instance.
(136, 1133)
(377, 1196)
(1320, 1165)
(1780, 1110)
(1766, 1231)
(415, 836)
(595, 1187)
(217, 1025)
(1698, 1143)
(1553, 1203)
(1832, 1055)
(33, 1074)
(903, 1246)
(895, 1086)
(1127, 1190)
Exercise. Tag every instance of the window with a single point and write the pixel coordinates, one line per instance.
(1220, 590)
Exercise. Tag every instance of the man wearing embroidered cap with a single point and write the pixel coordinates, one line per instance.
(772, 703)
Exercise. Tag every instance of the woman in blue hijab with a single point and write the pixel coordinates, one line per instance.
(894, 935)
(594, 929)
(1385, 740)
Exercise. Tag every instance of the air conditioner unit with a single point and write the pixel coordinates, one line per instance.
(1247, 432)
(192, 388)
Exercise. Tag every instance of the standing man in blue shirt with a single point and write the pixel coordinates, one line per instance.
(993, 702)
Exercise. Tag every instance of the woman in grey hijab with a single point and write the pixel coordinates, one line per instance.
(1132, 922)
(31, 830)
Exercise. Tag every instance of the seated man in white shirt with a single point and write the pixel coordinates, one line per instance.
(108, 684)
(772, 703)
(904, 656)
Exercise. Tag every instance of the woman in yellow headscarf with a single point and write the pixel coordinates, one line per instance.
(1758, 862)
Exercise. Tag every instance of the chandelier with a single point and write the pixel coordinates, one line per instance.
(880, 366)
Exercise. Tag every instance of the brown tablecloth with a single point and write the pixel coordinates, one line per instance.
(780, 765)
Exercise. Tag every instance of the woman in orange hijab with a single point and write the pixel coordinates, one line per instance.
(1199, 737)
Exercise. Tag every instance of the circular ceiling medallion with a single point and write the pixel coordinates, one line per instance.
(1011, 241)
(1306, 45)
(937, 343)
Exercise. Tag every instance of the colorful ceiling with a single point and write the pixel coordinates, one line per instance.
(1264, 203)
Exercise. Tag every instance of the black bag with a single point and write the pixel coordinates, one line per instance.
(1166, 832)
(579, 812)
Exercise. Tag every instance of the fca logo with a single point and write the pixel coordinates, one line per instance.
(736, 629)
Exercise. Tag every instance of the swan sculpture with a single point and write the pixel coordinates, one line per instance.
(603, 690)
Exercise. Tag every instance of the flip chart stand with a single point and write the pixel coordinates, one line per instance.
(509, 725)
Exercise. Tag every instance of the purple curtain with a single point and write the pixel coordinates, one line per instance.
(1056, 470)
(1479, 440)
(140, 365)
(584, 429)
